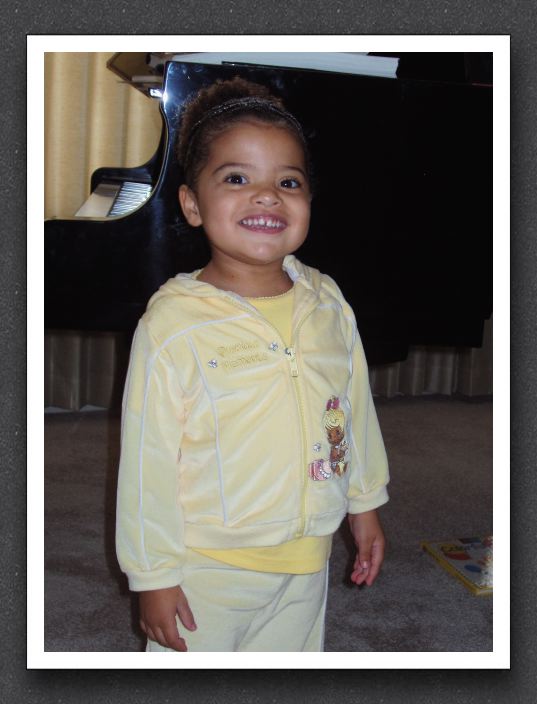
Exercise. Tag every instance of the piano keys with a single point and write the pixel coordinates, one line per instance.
(110, 199)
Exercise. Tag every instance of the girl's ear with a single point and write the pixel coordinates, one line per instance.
(189, 205)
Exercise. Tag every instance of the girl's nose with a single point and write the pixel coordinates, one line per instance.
(267, 196)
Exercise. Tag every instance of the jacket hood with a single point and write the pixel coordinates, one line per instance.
(189, 285)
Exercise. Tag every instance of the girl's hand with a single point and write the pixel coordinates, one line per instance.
(370, 543)
(158, 608)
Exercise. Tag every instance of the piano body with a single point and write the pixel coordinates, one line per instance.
(402, 215)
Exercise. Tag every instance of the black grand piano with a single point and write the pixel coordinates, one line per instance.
(401, 218)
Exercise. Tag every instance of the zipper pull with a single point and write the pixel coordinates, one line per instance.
(290, 352)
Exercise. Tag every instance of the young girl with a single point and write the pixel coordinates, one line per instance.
(248, 428)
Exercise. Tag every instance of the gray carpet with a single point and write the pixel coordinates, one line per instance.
(440, 452)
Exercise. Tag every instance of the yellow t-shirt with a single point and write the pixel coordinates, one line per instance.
(300, 556)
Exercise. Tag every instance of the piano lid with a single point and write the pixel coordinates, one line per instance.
(145, 71)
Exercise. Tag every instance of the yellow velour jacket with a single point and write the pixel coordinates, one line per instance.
(229, 438)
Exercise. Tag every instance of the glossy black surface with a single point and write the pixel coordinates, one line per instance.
(402, 216)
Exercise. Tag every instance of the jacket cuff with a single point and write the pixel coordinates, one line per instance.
(154, 579)
(368, 502)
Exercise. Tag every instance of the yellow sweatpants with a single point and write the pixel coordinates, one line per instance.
(242, 610)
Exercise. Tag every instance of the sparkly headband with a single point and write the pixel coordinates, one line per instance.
(242, 104)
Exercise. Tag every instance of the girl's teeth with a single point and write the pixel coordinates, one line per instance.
(255, 222)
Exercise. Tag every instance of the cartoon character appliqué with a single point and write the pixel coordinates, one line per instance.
(334, 424)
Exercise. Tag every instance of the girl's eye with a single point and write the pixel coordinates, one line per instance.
(290, 183)
(235, 179)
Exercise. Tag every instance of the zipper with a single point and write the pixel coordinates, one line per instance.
(291, 356)
(290, 353)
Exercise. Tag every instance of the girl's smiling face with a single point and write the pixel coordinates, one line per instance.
(252, 196)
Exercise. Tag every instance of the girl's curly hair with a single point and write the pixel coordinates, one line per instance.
(214, 109)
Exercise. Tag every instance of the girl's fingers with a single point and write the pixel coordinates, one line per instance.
(377, 557)
(149, 632)
(167, 636)
(359, 574)
(185, 614)
(160, 637)
(172, 638)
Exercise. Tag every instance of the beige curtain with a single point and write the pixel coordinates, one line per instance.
(92, 119)
(84, 370)
(438, 370)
